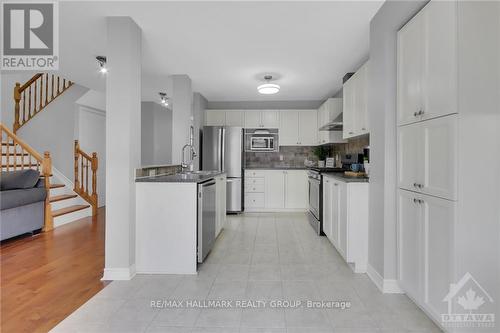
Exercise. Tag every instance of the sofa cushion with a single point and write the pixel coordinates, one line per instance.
(21, 197)
(19, 179)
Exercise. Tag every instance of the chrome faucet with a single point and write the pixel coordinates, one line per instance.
(192, 152)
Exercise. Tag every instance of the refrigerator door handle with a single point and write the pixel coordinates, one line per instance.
(223, 150)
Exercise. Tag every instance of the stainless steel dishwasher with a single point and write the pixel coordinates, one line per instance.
(206, 218)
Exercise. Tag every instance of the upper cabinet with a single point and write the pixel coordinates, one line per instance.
(234, 118)
(298, 128)
(427, 64)
(215, 117)
(355, 106)
(261, 118)
(328, 112)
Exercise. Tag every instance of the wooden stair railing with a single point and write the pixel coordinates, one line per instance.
(33, 96)
(81, 185)
(22, 151)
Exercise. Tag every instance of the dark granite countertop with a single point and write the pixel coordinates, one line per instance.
(180, 178)
(347, 179)
(276, 167)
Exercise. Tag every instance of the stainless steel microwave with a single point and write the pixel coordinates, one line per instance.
(261, 140)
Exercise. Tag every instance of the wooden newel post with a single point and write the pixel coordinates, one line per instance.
(46, 171)
(76, 184)
(94, 167)
(17, 99)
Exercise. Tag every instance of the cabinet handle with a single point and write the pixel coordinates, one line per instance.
(351, 132)
(421, 112)
(419, 201)
(336, 184)
(363, 129)
(415, 114)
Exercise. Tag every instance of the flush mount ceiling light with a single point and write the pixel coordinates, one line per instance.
(165, 101)
(101, 61)
(268, 88)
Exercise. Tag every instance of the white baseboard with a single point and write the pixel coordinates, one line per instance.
(386, 286)
(275, 210)
(113, 274)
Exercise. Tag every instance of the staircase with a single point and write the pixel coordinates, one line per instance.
(66, 200)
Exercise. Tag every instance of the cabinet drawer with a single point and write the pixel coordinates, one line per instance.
(255, 173)
(254, 200)
(254, 181)
(257, 188)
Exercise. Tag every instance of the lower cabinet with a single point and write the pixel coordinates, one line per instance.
(345, 219)
(220, 203)
(276, 190)
(426, 247)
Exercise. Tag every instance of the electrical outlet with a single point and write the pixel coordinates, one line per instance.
(281, 157)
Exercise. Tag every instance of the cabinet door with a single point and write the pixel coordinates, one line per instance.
(274, 189)
(438, 220)
(343, 218)
(410, 69)
(296, 189)
(410, 243)
(215, 118)
(348, 107)
(289, 128)
(308, 127)
(361, 113)
(270, 119)
(439, 86)
(252, 119)
(439, 162)
(327, 208)
(410, 145)
(335, 213)
(234, 118)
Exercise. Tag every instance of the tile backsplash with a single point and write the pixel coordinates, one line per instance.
(288, 156)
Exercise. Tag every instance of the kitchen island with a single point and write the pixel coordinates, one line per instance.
(167, 220)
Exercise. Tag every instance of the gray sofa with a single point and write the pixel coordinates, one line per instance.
(22, 197)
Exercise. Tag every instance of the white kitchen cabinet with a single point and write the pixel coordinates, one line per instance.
(215, 117)
(345, 214)
(220, 190)
(327, 112)
(427, 157)
(328, 205)
(234, 118)
(288, 130)
(410, 245)
(296, 189)
(252, 119)
(355, 106)
(298, 128)
(276, 190)
(427, 64)
(270, 119)
(426, 248)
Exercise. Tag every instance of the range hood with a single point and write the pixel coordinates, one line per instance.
(334, 125)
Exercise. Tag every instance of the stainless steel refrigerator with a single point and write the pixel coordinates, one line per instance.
(222, 150)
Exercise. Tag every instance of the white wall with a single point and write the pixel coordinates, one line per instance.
(156, 134)
(92, 138)
(123, 139)
(200, 104)
(182, 114)
(382, 116)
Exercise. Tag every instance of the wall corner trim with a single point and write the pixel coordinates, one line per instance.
(122, 274)
(386, 286)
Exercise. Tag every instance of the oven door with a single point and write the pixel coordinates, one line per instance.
(314, 197)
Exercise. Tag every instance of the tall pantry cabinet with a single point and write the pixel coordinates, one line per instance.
(439, 56)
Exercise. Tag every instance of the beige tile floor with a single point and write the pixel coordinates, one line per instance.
(257, 257)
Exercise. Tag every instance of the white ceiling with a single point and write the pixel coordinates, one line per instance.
(226, 47)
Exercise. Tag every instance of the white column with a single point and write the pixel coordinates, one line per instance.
(123, 139)
(182, 115)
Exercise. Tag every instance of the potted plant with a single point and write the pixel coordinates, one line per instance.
(321, 153)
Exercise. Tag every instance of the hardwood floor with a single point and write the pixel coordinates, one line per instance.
(46, 277)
